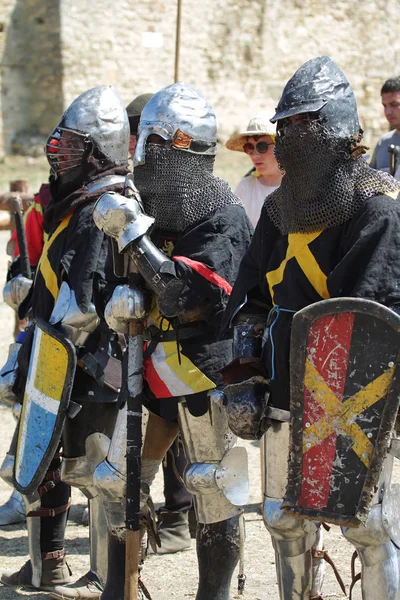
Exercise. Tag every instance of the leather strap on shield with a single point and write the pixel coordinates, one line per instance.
(46, 399)
(345, 390)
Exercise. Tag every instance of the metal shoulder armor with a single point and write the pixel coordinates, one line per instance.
(124, 220)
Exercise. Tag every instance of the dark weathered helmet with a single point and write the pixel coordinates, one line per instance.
(320, 86)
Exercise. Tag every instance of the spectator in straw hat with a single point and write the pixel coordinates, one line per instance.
(258, 142)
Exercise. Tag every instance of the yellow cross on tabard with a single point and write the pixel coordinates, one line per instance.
(298, 248)
(44, 266)
(340, 417)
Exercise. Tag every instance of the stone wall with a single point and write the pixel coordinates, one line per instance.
(238, 52)
(31, 70)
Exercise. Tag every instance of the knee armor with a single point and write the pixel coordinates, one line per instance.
(217, 473)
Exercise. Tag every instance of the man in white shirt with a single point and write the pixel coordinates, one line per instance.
(381, 158)
(258, 142)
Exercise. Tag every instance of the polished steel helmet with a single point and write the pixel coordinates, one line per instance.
(183, 117)
(320, 86)
(97, 117)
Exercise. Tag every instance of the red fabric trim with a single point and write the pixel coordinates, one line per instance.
(156, 384)
(205, 272)
(33, 231)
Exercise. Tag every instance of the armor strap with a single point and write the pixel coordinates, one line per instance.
(154, 335)
(54, 554)
(51, 479)
(323, 554)
(354, 577)
(49, 512)
(144, 589)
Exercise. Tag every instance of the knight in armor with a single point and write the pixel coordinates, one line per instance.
(186, 234)
(88, 155)
(173, 517)
(330, 230)
(13, 511)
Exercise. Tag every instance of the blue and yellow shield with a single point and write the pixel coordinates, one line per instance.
(46, 399)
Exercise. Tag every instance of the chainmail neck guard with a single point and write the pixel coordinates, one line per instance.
(178, 188)
(323, 185)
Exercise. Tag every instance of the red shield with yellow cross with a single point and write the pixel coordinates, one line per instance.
(345, 390)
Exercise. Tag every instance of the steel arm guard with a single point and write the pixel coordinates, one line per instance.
(123, 220)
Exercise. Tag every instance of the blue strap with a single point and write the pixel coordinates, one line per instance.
(272, 318)
(21, 337)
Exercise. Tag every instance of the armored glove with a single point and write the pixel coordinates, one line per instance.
(8, 375)
(125, 304)
(16, 290)
(246, 406)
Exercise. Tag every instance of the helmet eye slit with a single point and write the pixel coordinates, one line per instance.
(66, 148)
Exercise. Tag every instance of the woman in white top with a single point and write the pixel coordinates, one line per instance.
(258, 142)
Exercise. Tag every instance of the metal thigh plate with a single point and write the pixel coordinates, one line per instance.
(345, 390)
(47, 395)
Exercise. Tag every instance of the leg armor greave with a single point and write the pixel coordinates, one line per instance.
(217, 473)
(377, 542)
(217, 476)
(292, 538)
(110, 480)
(78, 472)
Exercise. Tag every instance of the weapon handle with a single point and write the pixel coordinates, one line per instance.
(21, 237)
(132, 565)
(133, 458)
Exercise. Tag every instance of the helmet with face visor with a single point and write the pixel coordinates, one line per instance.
(179, 117)
(95, 122)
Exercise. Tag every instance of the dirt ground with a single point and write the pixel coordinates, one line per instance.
(170, 576)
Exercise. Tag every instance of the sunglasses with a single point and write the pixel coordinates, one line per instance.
(261, 147)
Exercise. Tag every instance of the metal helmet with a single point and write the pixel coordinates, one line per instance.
(183, 117)
(134, 110)
(319, 86)
(96, 118)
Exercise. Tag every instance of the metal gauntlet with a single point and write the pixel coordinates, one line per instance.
(125, 304)
(16, 290)
(8, 375)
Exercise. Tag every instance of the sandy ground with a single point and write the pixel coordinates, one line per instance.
(170, 576)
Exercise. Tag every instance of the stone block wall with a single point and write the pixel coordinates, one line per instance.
(239, 53)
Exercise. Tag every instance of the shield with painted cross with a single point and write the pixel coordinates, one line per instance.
(345, 390)
(45, 405)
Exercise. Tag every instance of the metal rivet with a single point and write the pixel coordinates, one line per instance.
(308, 445)
(391, 364)
(308, 424)
(369, 435)
(243, 333)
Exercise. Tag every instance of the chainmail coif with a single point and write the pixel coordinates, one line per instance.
(323, 185)
(178, 188)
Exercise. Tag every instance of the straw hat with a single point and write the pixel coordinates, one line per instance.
(259, 125)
